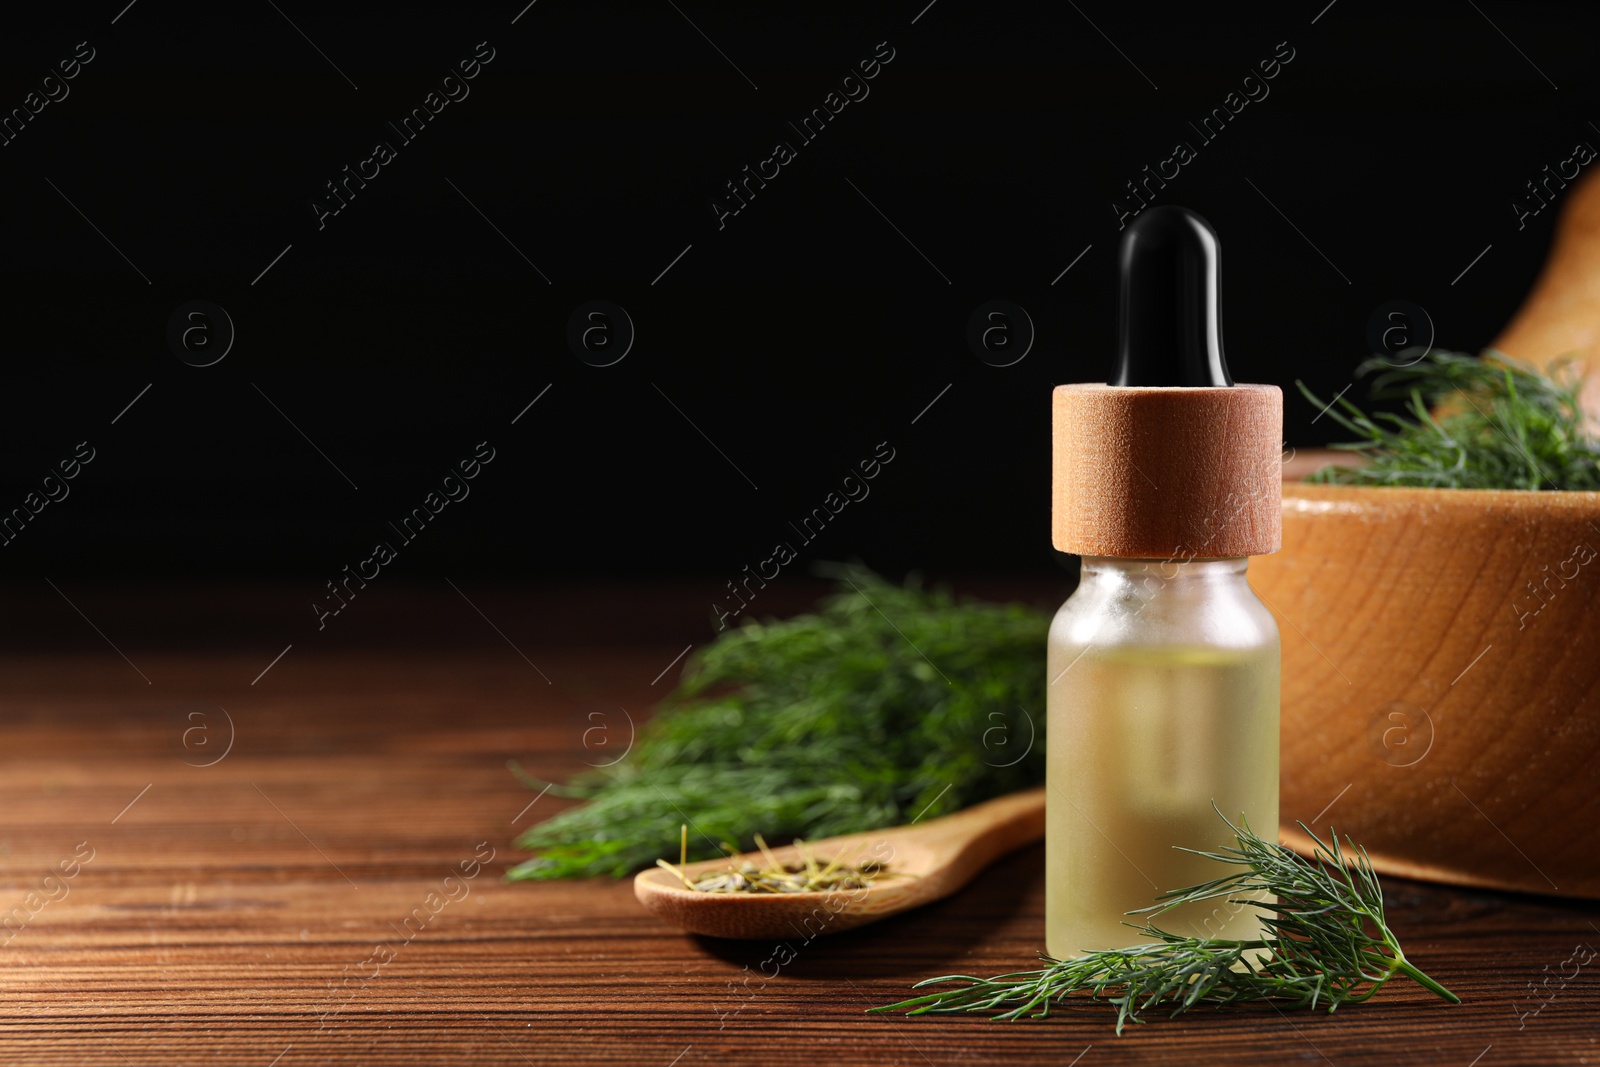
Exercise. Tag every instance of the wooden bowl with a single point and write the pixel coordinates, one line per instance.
(1441, 680)
(1441, 658)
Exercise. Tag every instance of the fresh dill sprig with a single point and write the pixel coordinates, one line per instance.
(1502, 425)
(888, 701)
(1325, 943)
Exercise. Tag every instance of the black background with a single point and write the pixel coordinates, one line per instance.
(796, 338)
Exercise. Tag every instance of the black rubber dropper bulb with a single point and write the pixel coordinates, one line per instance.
(1171, 315)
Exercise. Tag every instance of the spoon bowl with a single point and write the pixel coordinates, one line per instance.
(921, 864)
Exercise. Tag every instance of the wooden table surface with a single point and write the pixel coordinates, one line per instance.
(253, 911)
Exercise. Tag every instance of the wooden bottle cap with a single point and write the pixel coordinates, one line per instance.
(1161, 472)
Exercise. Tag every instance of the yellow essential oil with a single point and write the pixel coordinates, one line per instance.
(1142, 742)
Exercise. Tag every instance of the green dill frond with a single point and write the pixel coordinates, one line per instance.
(1325, 943)
(887, 701)
(1503, 425)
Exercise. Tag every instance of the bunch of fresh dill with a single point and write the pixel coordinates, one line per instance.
(1503, 425)
(1326, 943)
(888, 702)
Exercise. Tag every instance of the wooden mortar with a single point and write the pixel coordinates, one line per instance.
(1441, 661)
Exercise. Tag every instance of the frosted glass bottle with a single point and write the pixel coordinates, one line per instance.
(1163, 701)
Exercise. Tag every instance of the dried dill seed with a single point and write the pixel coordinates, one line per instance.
(806, 876)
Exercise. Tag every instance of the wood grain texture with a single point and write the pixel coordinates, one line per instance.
(230, 914)
(1441, 663)
(1156, 472)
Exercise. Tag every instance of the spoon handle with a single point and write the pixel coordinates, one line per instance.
(970, 840)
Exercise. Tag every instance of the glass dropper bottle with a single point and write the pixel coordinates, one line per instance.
(1163, 664)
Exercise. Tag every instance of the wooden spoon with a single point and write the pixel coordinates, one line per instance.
(923, 864)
